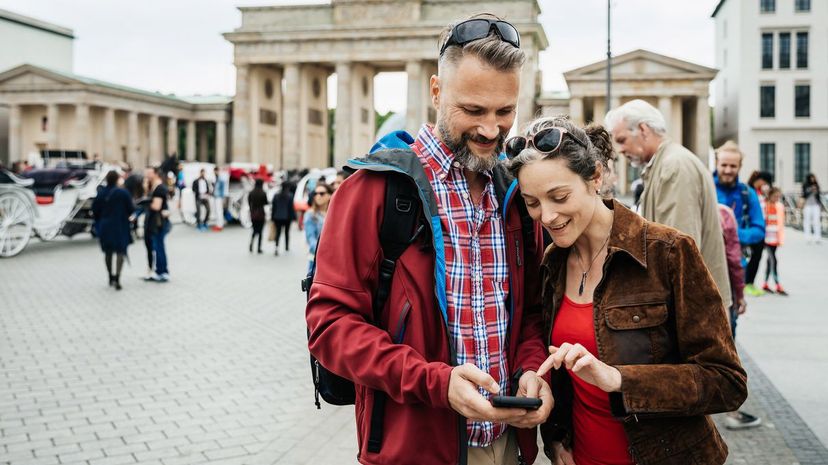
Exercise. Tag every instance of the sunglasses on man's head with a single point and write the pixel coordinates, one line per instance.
(546, 141)
(476, 29)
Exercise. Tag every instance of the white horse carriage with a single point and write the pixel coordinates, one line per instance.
(45, 202)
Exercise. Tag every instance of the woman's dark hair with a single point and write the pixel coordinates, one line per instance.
(325, 186)
(112, 178)
(582, 161)
(811, 179)
(757, 175)
(259, 184)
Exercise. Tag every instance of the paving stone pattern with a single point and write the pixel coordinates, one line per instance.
(210, 368)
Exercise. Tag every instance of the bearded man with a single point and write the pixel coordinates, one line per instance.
(462, 320)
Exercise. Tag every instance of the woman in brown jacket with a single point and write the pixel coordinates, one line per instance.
(638, 336)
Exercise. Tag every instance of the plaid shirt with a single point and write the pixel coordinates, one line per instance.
(477, 274)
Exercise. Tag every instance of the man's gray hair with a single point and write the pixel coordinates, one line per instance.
(636, 112)
(493, 51)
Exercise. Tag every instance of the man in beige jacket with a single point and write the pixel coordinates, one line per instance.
(678, 189)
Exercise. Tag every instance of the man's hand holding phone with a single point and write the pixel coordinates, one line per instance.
(466, 400)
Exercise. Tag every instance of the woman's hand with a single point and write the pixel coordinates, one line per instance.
(562, 455)
(583, 364)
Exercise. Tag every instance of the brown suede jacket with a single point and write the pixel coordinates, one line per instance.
(659, 320)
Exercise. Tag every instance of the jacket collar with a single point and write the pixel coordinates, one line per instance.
(645, 172)
(629, 233)
(628, 236)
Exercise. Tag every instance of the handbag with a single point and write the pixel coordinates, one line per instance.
(271, 231)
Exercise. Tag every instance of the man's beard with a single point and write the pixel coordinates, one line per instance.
(635, 161)
(464, 155)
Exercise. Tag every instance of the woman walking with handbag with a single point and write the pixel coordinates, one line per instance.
(257, 199)
(112, 209)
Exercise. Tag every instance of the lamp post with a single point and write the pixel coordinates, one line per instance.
(609, 60)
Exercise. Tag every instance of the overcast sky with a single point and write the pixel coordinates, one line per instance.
(175, 46)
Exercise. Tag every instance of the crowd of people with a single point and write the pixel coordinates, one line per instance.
(126, 196)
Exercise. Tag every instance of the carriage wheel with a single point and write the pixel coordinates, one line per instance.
(16, 222)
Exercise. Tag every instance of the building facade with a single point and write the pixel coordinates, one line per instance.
(772, 89)
(36, 42)
(284, 55)
(51, 110)
(676, 87)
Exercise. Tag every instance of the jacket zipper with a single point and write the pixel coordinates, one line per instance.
(401, 324)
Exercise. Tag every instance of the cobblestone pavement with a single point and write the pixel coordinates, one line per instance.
(208, 368)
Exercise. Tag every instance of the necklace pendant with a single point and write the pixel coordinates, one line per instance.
(581, 287)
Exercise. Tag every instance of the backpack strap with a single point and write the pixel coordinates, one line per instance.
(402, 211)
(745, 206)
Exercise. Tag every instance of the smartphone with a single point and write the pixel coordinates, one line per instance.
(528, 403)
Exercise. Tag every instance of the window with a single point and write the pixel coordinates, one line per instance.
(767, 6)
(802, 5)
(784, 50)
(802, 100)
(802, 161)
(767, 50)
(767, 101)
(767, 158)
(801, 50)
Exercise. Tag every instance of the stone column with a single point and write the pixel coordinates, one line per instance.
(576, 110)
(599, 109)
(154, 152)
(202, 143)
(528, 87)
(665, 106)
(344, 114)
(191, 140)
(82, 127)
(132, 140)
(52, 121)
(172, 136)
(702, 128)
(15, 151)
(241, 114)
(221, 143)
(418, 101)
(110, 150)
(291, 123)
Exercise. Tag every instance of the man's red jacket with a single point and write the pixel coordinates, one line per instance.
(408, 354)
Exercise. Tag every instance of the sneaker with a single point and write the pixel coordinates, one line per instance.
(159, 278)
(766, 288)
(753, 291)
(780, 291)
(741, 420)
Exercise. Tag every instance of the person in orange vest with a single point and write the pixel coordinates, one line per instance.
(774, 237)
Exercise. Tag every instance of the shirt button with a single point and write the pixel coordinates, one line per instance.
(465, 196)
(456, 164)
(636, 318)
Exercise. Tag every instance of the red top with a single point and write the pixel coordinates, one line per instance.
(599, 438)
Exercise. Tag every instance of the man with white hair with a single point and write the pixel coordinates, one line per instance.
(678, 189)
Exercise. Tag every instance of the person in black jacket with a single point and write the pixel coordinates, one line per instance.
(283, 214)
(257, 199)
(112, 208)
(202, 189)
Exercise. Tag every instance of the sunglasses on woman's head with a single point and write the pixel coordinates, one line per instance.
(545, 141)
(476, 29)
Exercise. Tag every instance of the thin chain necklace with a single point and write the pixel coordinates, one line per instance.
(592, 262)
